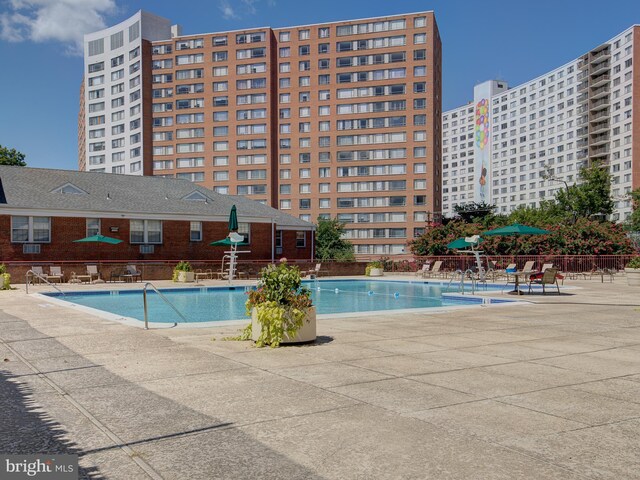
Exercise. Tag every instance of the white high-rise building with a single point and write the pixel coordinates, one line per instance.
(113, 117)
(518, 145)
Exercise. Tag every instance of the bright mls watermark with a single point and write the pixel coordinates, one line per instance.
(49, 467)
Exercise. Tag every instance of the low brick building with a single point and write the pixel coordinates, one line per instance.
(158, 219)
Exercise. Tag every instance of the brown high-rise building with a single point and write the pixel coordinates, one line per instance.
(335, 120)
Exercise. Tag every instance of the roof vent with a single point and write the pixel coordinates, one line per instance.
(195, 196)
(69, 188)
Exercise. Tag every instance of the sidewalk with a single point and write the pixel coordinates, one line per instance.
(547, 390)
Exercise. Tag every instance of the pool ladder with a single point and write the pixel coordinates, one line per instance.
(459, 273)
(164, 299)
(42, 278)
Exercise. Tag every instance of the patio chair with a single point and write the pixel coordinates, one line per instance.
(37, 275)
(133, 271)
(314, 271)
(423, 270)
(549, 277)
(93, 273)
(528, 267)
(55, 274)
(207, 274)
(435, 271)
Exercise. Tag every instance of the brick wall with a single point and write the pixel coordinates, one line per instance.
(175, 236)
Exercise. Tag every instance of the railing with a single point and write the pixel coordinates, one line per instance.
(35, 274)
(467, 273)
(164, 299)
(565, 263)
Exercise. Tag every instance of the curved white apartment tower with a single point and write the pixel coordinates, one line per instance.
(517, 145)
(115, 118)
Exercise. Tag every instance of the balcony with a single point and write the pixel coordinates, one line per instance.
(600, 56)
(600, 139)
(600, 127)
(582, 131)
(582, 120)
(582, 86)
(600, 104)
(601, 80)
(599, 115)
(582, 143)
(599, 152)
(600, 68)
(583, 97)
(582, 154)
(583, 62)
(600, 92)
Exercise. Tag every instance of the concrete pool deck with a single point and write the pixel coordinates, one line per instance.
(546, 390)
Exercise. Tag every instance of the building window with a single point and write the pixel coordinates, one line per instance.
(30, 229)
(244, 229)
(301, 239)
(93, 227)
(145, 231)
(195, 231)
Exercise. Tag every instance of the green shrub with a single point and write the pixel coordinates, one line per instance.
(634, 262)
(281, 304)
(184, 267)
(5, 284)
(374, 264)
(181, 267)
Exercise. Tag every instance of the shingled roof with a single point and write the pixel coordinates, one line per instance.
(24, 190)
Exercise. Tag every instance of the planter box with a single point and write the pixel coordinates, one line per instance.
(186, 277)
(633, 276)
(306, 334)
(376, 272)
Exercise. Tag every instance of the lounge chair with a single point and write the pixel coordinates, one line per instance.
(314, 271)
(423, 270)
(435, 271)
(55, 274)
(37, 275)
(93, 273)
(549, 277)
(199, 274)
(133, 272)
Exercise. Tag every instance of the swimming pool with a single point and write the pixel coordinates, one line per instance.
(216, 304)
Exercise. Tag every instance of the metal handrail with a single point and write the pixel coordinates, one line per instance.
(35, 274)
(463, 275)
(164, 299)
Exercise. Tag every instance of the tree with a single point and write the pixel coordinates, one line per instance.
(590, 199)
(11, 157)
(329, 242)
(473, 212)
(548, 213)
(633, 223)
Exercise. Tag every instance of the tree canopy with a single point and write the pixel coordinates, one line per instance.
(11, 157)
(590, 199)
(329, 242)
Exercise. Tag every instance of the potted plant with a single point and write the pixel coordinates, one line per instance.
(183, 272)
(5, 278)
(632, 270)
(281, 309)
(374, 269)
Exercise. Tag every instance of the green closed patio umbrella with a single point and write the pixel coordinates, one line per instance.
(233, 220)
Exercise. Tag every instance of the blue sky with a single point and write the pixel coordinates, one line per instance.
(508, 40)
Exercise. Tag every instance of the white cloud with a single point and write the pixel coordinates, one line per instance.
(234, 9)
(64, 21)
(227, 10)
(250, 6)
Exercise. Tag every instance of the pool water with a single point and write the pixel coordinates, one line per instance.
(210, 304)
